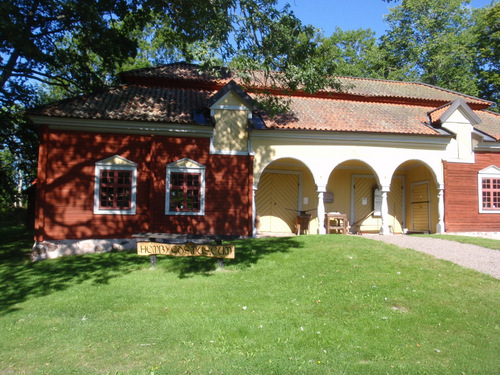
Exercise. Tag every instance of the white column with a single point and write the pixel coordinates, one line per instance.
(254, 213)
(321, 210)
(440, 229)
(384, 210)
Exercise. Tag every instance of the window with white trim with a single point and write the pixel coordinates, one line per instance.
(185, 193)
(115, 186)
(489, 190)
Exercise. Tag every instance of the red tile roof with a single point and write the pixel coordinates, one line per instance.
(490, 123)
(352, 116)
(436, 114)
(133, 103)
(178, 93)
(363, 88)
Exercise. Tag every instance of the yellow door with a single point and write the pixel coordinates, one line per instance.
(363, 205)
(420, 206)
(276, 202)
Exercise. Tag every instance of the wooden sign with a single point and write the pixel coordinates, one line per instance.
(187, 249)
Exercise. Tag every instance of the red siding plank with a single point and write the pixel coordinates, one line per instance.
(461, 196)
(69, 193)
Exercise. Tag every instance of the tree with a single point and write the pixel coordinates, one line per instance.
(354, 53)
(432, 41)
(487, 46)
(77, 46)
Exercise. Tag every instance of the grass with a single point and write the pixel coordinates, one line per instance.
(479, 241)
(301, 305)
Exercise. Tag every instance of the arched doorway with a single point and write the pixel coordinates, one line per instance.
(354, 190)
(285, 189)
(420, 196)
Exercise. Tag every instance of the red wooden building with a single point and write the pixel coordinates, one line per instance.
(174, 150)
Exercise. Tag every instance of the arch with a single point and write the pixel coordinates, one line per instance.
(282, 191)
(423, 195)
(434, 166)
(350, 191)
(258, 171)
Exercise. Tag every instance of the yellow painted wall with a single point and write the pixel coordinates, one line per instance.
(230, 132)
(395, 200)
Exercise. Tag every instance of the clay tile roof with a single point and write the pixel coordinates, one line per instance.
(180, 93)
(376, 88)
(184, 72)
(352, 116)
(132, 103)
(436, 114)
(369, 89)
(490, 123)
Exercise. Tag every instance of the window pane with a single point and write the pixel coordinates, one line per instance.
(176, 199)
(115, 189)
(486, 200)
(185, 191)
(496, 199)
(490, 193)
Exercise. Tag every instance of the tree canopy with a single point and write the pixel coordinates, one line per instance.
(431, 40)
(487, 45)
(78, 44)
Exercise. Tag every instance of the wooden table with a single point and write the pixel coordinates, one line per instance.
(336, 222)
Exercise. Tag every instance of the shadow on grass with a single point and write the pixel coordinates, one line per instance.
(248, 252)
(20, 279)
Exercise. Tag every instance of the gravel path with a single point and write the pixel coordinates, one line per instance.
(470, 256)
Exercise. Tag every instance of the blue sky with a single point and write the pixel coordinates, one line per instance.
(348, 14)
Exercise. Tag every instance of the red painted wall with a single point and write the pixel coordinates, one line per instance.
(65, 194)
(461, 196)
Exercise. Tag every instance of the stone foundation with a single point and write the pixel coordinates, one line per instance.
(55, 249)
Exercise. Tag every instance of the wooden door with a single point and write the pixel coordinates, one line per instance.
(277, 202)
(363, 198)
(420, 206)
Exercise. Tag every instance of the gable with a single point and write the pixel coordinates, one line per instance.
(116, 160)
(492, 169)
(231, 100)
(456, 112)
(185, 163)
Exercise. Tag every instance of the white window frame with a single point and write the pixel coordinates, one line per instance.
(490, 172)
(124, 165)
(185, 165)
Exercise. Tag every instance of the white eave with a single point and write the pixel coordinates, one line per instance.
(350, 138)
(131, 127)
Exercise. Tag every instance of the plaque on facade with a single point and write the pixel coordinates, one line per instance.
(328, 197)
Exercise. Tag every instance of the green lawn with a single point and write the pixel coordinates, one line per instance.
(302, 305)
(484, 242)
